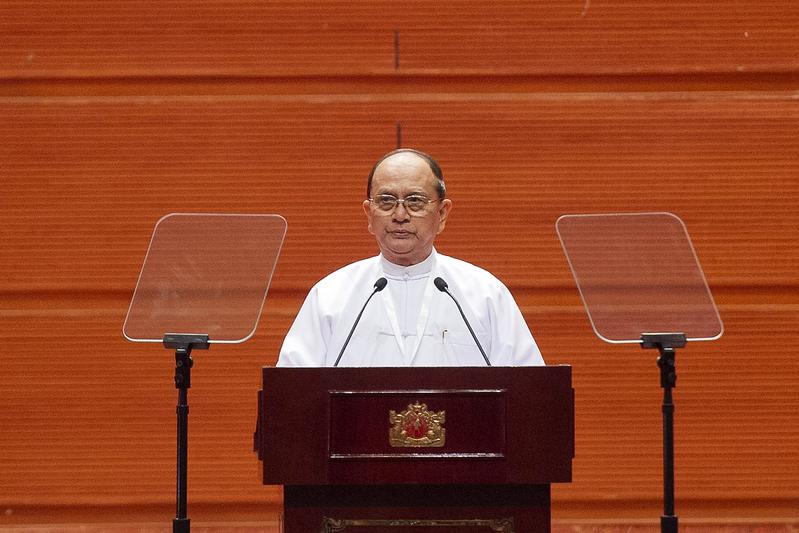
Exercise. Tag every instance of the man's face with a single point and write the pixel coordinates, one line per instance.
(405, 238)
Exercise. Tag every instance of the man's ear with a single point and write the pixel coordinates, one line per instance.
(368, 212)
(443, 213)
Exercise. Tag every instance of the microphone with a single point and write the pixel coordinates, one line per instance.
(380, 284)
(442, 286)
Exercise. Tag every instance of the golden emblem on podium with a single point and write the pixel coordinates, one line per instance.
(416, 427)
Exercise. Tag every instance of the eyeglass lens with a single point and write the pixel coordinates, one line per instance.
(413, 203)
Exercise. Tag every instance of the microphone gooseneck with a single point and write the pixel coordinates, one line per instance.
(380, 284)
(443, 287)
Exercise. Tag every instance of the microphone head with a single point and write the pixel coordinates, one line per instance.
(440, 284)
(380, 284)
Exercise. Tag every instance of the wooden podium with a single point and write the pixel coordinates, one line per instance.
(416, 450)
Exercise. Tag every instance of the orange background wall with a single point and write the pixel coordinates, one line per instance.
(113, 114)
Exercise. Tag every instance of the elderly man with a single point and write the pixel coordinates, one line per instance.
(413, 322)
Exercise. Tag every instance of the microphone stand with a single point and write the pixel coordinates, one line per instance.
(443, 287)
(380, 284)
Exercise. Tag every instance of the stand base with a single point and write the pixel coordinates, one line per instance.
(180, 525)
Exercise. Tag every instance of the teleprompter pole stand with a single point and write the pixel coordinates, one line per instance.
(183, 345)
(666, 343)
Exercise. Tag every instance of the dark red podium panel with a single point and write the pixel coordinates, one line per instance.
(466, 449)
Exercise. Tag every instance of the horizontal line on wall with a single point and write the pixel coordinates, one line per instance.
(378, 86)
(773, 294)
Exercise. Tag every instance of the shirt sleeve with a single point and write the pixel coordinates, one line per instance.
(512, 343)
(308, 338)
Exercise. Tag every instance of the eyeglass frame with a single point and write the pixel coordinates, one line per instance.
(401, 201)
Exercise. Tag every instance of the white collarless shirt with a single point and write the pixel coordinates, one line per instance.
(410, 322)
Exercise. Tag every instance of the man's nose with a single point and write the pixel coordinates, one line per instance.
(400, 213)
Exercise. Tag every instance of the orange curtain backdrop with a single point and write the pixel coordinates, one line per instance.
(115, 114)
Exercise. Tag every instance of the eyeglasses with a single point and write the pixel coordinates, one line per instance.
(414, 204)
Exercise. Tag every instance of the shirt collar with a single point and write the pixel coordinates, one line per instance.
(418, 270)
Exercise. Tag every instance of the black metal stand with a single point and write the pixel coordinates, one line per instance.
(183, 345)
(666, 344)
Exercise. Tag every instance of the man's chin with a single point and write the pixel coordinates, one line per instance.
(399, 256)
(405, 256)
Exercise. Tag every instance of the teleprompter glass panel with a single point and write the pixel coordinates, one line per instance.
(205, 274)
(638, 273)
